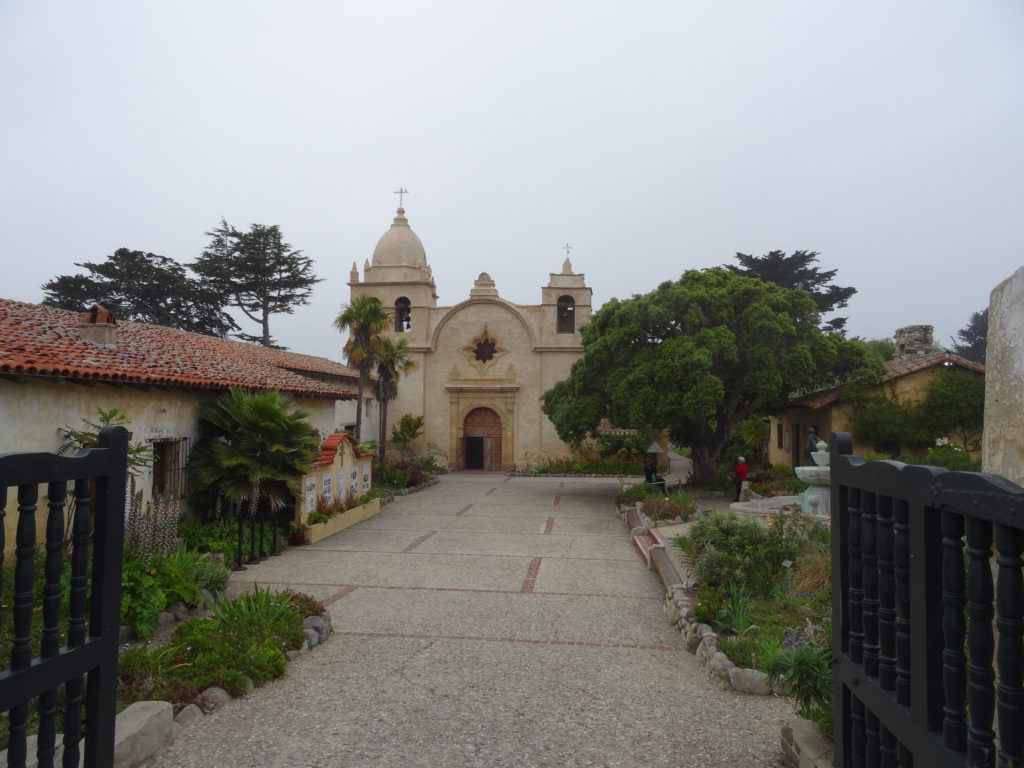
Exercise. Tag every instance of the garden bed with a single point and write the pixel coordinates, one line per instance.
(318, 531)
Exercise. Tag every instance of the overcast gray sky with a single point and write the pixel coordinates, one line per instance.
(652, 136)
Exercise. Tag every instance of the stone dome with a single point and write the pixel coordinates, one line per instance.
(399, 246)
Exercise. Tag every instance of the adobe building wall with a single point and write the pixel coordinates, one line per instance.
(1003, 440)
(33, 411)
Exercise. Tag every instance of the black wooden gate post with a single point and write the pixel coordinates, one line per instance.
(99, 476)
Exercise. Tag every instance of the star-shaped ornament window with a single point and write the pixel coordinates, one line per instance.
(483, 350)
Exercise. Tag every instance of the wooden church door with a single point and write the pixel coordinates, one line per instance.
(482, 441)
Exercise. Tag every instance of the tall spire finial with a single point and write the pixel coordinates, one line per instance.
(568, 249)
(400, 192)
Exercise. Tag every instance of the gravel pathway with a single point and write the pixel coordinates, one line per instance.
(489, 621)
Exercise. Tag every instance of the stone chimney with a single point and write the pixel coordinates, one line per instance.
(914, 340)
(98, 325)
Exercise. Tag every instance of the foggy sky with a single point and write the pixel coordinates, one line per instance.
(652, 136)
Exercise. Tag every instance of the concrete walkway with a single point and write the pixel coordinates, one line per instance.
(488, 621)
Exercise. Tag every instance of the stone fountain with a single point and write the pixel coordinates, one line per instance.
(816, 500)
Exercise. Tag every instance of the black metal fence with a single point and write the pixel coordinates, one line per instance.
(45, 675)
(928, 615)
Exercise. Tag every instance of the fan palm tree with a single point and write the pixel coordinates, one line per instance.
(252, 446)
(392, 362)
(364, 319)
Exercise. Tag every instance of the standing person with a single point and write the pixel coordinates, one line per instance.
(811, 445)
(740, 475)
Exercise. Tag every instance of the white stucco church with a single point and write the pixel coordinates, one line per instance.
(483, 363)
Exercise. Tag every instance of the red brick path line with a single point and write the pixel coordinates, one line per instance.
(488, 493)
(338, 595)
(558, 500)
(464, 510)
(531, 576)
(549, 526)
(475, 554)
(418, 541)
(349, 589)
(417, 636)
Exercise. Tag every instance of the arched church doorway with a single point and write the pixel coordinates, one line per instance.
(481, 441)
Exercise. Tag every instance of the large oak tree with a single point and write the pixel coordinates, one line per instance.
(698, 356)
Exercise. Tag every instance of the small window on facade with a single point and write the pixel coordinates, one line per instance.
(403, 315)
(566, 314)
(170, 467)
(780, 436)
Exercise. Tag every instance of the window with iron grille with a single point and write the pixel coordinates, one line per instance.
(170, 467)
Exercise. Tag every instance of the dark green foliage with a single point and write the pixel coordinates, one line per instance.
(392, 360)
(953, 407)
(699, 356)
(407, 429)
(146, 288)
(395, 478)
(952, 456)
(679, 505)
(973, 337)
(638, 492)
(364, 319)
(305, 605)
(618, 464)
(141, 597)
(795, 272)
(883, 349)
(253, 446)
(257, 272)
(808, 672)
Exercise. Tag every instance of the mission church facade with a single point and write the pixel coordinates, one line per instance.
(483, 364)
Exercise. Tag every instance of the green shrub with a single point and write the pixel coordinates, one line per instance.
(952, 456)
(395, 478)
(808, 672)
(315, 517)
(210, 574)
(142, 598)
(639, 492)
(175, 572)
(305, 605)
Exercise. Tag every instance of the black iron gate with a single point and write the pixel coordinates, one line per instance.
(56, 678)
(927, 593)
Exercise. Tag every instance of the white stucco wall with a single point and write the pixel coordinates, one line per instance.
(32, 413)
(1003, 441)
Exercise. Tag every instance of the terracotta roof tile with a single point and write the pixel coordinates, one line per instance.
(44, 341)
(894, 369)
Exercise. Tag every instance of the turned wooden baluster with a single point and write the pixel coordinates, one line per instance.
(869, 539)
(954, 677)
(980, 645)
(50, 643)
(76, 617)
(886, 595)
(21, 646)
(901, 556)
(856, 572)
(1010, 622)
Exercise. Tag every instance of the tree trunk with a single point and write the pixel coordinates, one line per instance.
(359, 408)
(383, 427)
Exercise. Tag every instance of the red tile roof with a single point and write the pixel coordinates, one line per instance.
(894, 369)
(332, 443)
(44, 341)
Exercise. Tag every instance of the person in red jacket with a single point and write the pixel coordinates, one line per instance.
(740, 475)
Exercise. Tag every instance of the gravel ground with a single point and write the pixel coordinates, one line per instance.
(547, 663)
